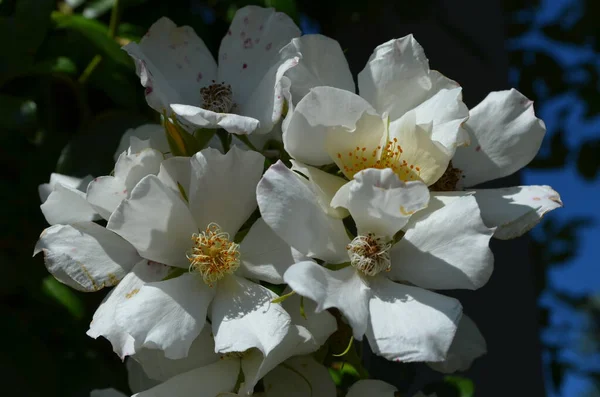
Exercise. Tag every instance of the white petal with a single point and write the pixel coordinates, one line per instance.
(137, 379)
(243, 317)
(156, 222)
(425, 158)
(515, 210)
(155, 133)
(446, 248)
(86, 254)
(343, 289)
(207, 381)
(299, 377)
(380, 202)
(157, 366)
(371, 388)
(468, 344)
(409, 323)
(106, 393)
(322, 112)
(67, 205)
(176, 174)
(320, 324)
(167, 315)
(322, 64)
(505, 136)
(264, 256)
(105, 193)
(223, 187)
(104, 322)
(59, 179)
(250, 50)
(324, 185)
(173, 63)
(230, 122)
(397, 79)
(292, 210)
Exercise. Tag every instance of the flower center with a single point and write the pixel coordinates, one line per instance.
(370, 254)
(217, 97)
(449, 181)
(213, 256)
(389, 156)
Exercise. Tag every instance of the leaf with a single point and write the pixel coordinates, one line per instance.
(97, 34)
(63, 295)
(465, 386)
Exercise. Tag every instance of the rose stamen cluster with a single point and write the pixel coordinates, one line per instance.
(217, 97)
(213, 255)
(370, 254)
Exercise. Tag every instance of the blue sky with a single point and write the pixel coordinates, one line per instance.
(580, 197)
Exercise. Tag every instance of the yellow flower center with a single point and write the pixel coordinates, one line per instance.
(213, 256)
(389, 156)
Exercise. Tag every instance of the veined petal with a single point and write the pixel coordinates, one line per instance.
(418, 155)
(325, 187)
(299, 377)
(105, 193)
(515, 210)
(325, 111)
(447, 248)
(343, 289)
(223, 187)
(67, 205)
(251, 48)
(322, 64)
(292, 210)
(397, 78)
(505, 136)
(158, 367)
(208, 381)
(104, 322)
(85, 255)
(243, 317)
(468, 344)
(156, 222)
(173, 63)
(380, 203)
(230, 122)
(371, 388)
(409, 323)
(45, 189)
(264, 256)
(167, 315)
(155, 133)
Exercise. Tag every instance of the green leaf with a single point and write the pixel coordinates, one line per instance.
(63, 295)
(55, 65)
(96, 33)
(97, 8)
(180, 141)
(465, 386)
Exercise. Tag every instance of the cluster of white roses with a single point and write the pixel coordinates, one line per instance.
(228, 278)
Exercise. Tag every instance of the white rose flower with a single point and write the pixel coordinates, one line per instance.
(155, 133)
(430, 135)
(187, 217)
(188, 376)
(242, 94)
(444, 246)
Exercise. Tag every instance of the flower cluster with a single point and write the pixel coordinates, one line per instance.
(319, 219)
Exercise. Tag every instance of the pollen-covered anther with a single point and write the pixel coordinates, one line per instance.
(370, 254)
(213, 256)
(217, 97)
(388, 156)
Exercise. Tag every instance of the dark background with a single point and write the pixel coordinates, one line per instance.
(67, 93)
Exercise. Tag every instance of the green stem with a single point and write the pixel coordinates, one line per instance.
(115, 17)
(89, 69)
